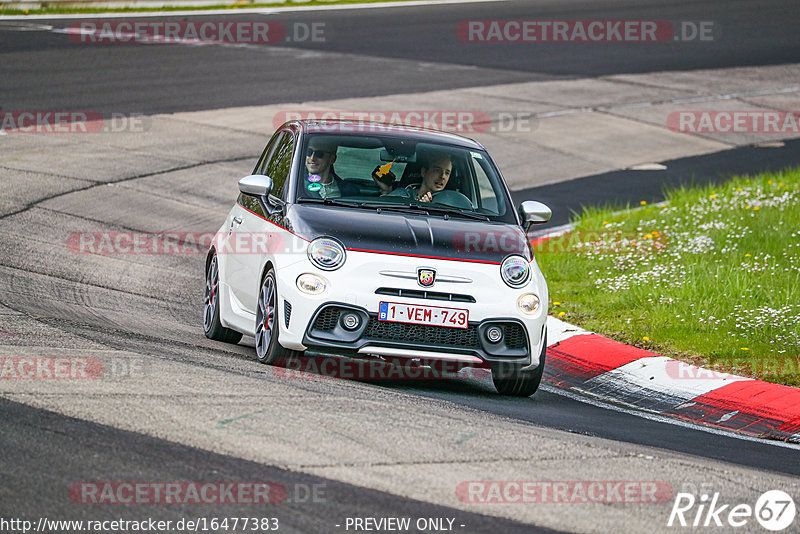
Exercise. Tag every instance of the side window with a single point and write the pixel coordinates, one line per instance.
(279, 163)
(262, 161)
(251, 203)
(486, 191)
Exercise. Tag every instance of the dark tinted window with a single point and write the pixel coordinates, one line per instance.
(262, 161)
(251, 203)
(473, 185)
(279, 162)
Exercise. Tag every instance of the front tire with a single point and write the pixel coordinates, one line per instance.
(211, 324)
(509, 378)
(268, 349)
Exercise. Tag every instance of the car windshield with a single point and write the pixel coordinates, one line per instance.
(375, 172)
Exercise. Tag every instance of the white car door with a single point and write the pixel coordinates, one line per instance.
(255, 239)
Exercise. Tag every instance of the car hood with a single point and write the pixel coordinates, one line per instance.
(411, 234)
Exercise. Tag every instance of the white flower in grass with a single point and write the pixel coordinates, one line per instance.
(700, 244)
(713, 225)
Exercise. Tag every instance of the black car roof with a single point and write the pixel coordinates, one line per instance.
(347, 127)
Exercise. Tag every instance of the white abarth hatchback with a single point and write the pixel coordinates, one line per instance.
(371, 240)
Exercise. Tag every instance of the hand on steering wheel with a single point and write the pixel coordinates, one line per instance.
(427, 197)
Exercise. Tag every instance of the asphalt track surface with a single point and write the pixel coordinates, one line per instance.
(624, 188)
(375, 52)
(409, 50)
(62, 445)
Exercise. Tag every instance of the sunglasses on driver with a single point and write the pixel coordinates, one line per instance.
(316, 153)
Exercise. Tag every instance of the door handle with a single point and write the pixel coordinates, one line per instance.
(236, 221)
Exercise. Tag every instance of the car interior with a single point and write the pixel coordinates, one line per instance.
(357, 157)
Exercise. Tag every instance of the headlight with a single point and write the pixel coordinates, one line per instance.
(528, 304)
(311, 284)
(515, 271)
(326, 253)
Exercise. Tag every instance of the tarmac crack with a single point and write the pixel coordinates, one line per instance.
(123, 180)
(50, 174)
(79, 282)
(460, 461)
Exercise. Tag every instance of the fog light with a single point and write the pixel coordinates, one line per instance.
(350, 321)
(528, 304)
(311, 284)
(494, 334)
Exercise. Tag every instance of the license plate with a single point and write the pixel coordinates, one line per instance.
(414, 314)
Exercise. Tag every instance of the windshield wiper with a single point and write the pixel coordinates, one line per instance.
(396, 207)
(356, 204)
(457, 211)
(330, 202)
(427, 209)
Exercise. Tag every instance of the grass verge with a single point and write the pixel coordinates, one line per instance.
(711, 276)
(168, 9)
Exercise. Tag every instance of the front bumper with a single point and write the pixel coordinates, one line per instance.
(359, 287)
(372, 336)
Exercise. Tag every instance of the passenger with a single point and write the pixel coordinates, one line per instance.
(322, 179)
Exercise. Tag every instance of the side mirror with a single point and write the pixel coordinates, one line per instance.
(533, 212)
(256, 184)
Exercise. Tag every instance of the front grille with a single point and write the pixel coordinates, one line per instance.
(326, 328)
(287, 312)
(422, 334)
(515, 337)
(327, 318)
(422, 294)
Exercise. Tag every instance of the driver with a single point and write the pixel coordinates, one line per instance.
(322, 180)
(435, 171)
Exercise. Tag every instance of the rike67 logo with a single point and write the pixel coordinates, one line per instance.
(774, 510)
